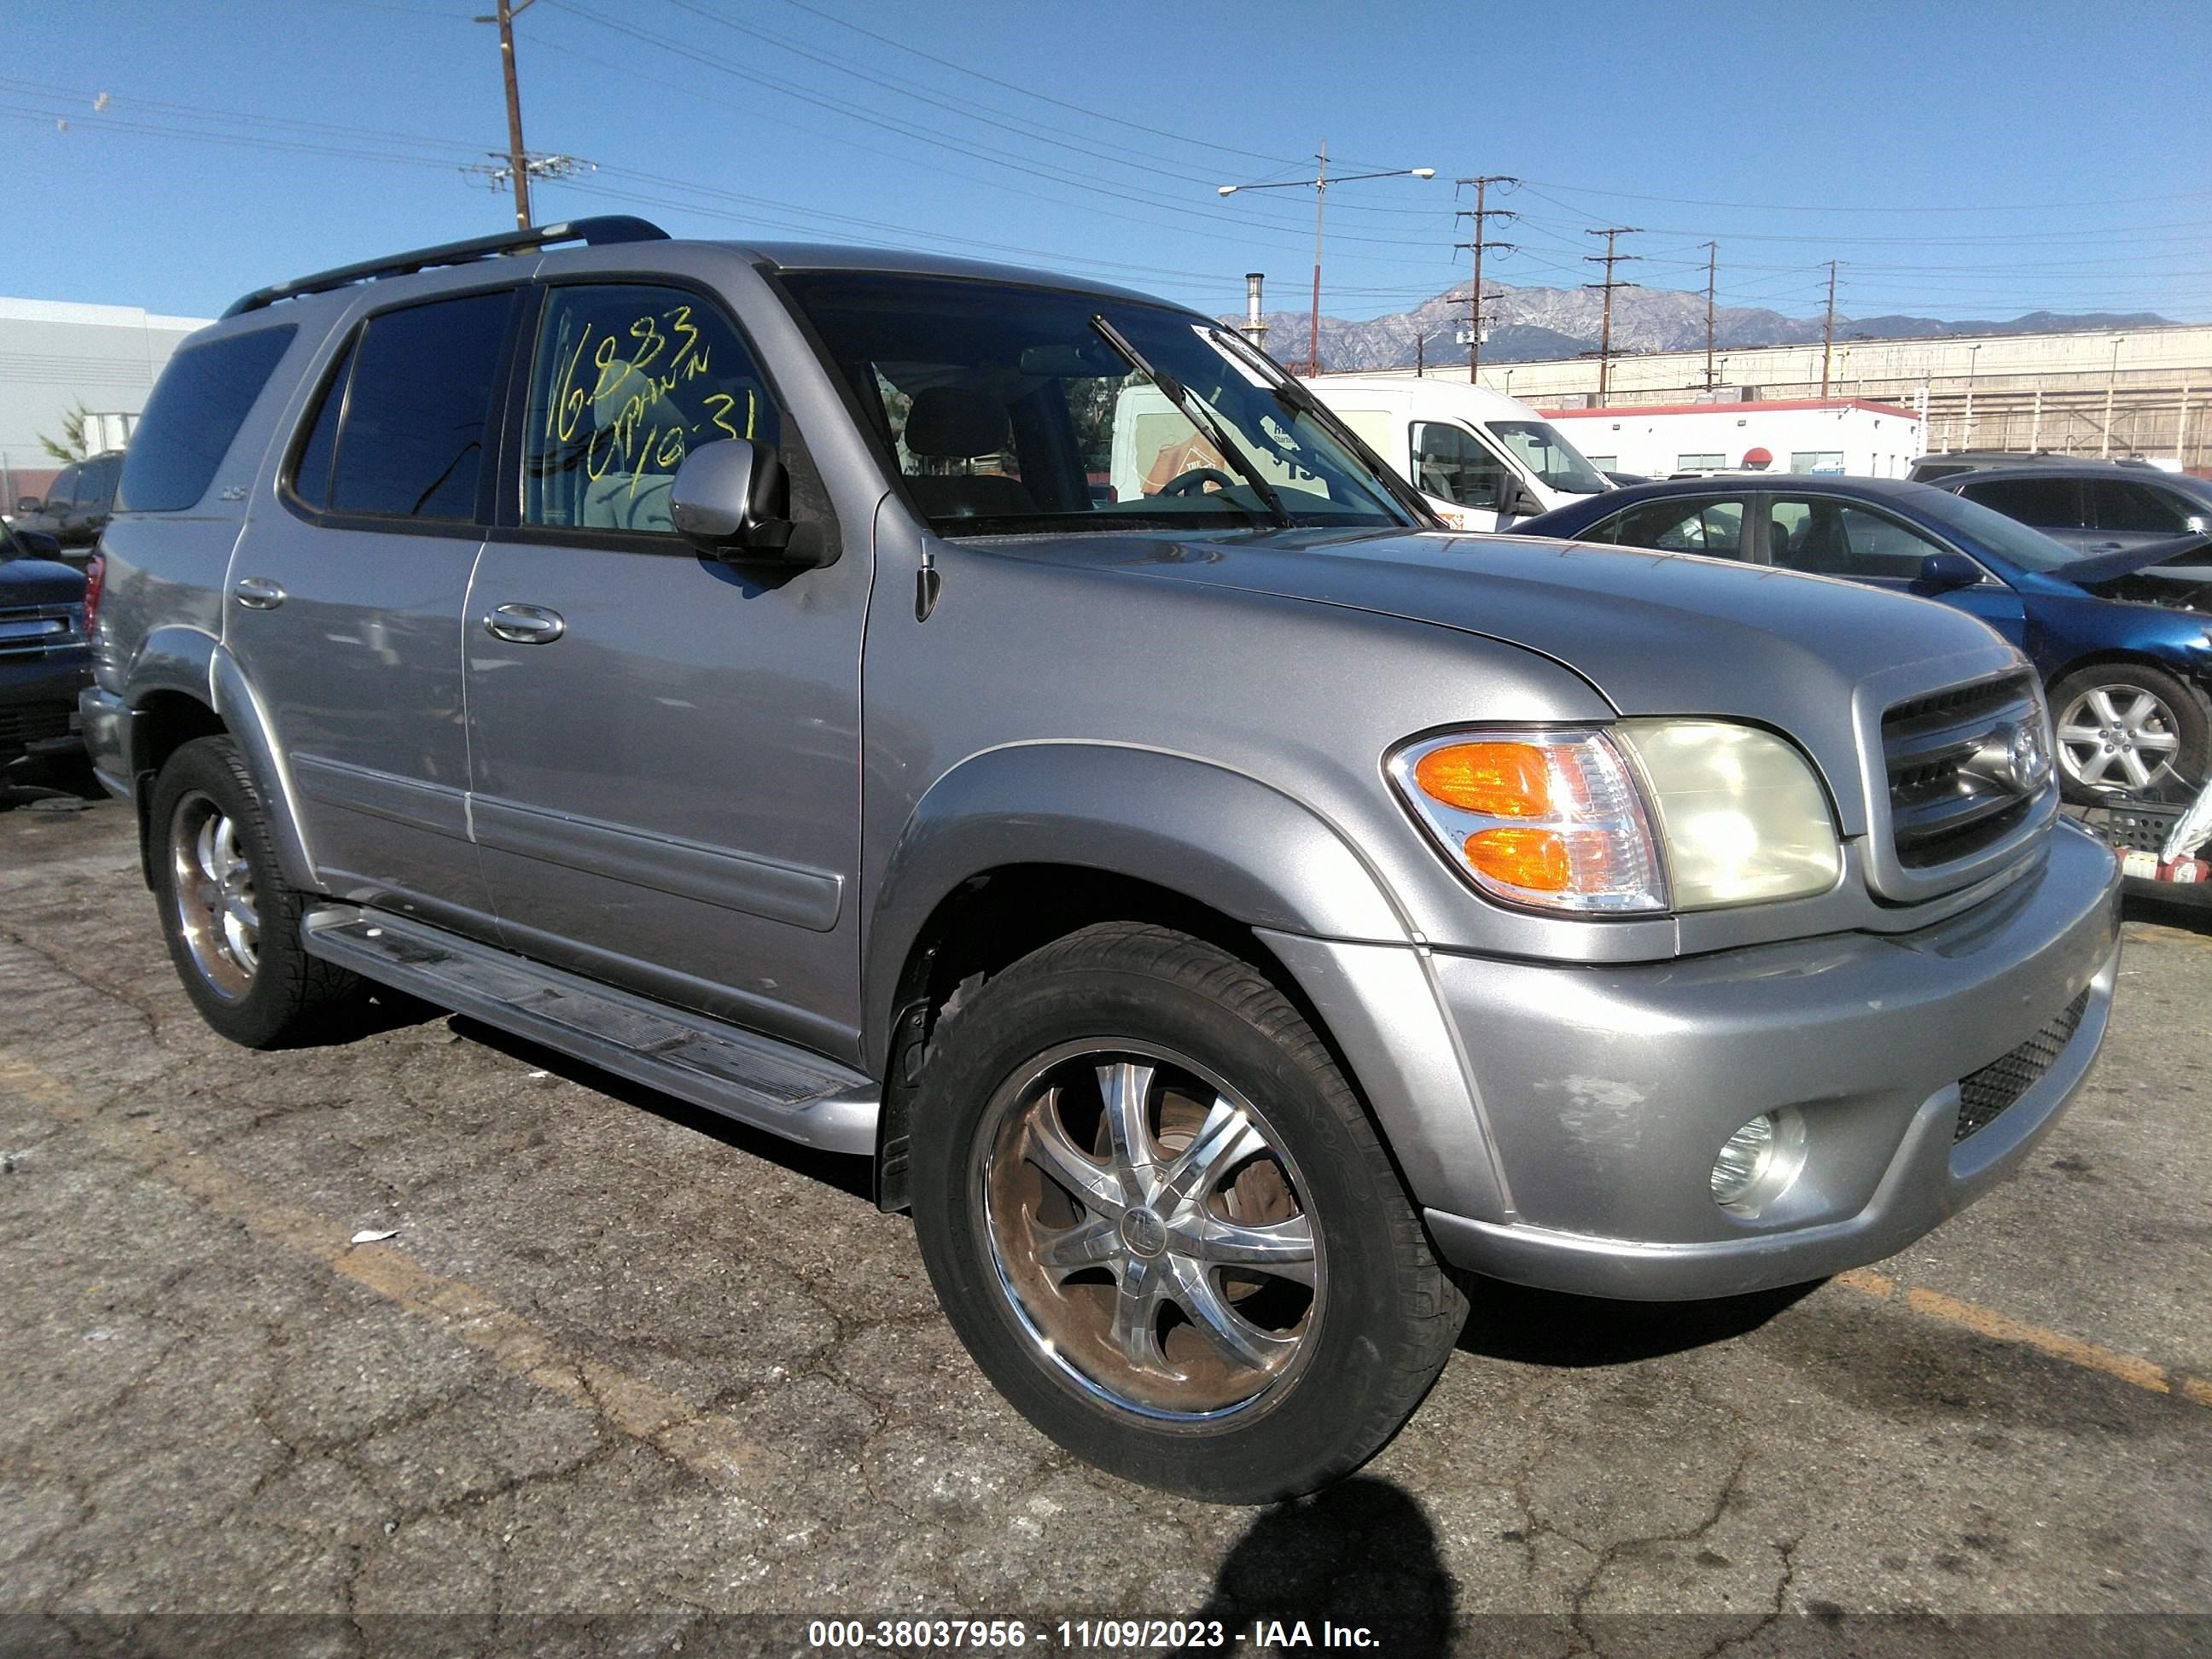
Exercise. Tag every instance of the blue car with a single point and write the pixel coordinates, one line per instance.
(2120, 640)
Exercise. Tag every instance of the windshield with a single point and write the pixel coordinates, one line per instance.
(1551, 457)
(2008, 538)
(1011, 409)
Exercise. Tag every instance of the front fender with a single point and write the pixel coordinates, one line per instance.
(1221, 838)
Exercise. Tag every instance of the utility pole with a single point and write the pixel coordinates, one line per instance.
(1828, 330)
(518, 160)
(1608, 259)
(1481, 216)
(1712, 270)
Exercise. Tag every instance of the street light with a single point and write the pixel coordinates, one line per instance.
(1319, 185)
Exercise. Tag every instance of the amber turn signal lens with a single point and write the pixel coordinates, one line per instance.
(1534, 860)
(1498, 780)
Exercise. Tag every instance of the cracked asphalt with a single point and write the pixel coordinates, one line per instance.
(620, 1358)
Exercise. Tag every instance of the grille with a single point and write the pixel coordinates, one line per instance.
(1983, 1094)
(33, 630)
(1949, 793)
(34, 724)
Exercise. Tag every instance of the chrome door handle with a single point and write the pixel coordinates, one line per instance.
(524, 624)
(257, 593)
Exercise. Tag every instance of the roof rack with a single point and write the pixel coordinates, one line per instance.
(607, 227)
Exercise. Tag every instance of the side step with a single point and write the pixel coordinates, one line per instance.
(741, 1075)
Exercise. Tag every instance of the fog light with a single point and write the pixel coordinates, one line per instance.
(1759, 1162)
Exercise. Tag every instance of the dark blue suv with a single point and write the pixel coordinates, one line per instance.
(2124, 657)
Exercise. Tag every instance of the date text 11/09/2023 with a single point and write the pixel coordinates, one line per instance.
(1117, 1635)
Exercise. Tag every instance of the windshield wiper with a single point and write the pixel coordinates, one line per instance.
(1196, 411)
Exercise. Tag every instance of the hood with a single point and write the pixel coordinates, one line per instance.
(39, 581)
(1654, 633)
(2092, 575)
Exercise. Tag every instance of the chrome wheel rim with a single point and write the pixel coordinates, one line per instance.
(217, 914)
(1150, 1231)
(2118, 737)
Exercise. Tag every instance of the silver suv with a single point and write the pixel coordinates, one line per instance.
(1005, 729)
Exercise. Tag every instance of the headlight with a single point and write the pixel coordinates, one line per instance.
(1552, 819)
(1638, 819)
(1743, 817)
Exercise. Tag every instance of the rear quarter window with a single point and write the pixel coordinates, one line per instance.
(198, 406)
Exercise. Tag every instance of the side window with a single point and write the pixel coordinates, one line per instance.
(95, 487)
(2118, 505)
(1449, 463)
(1714, 527)
(61, 493)
(2047, 503)
(626, 381)
(416, 408)
(201, 400)
(1830, 537)
(311, 474)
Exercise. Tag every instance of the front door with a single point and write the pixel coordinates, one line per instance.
(1452, 466)
(1832, 538)
(345, 603)
(667, 748)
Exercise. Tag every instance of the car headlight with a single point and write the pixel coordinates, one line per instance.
(1633, 819)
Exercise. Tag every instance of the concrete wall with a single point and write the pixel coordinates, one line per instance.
(54, 355)
(2006, 392)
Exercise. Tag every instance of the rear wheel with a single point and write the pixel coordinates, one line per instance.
(2128, 728)
(1159, 1218)
(231, 924)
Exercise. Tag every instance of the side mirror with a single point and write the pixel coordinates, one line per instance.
(1520, 502)
(37, 545)
(1945, 573)
(731, 501)
(29, 504)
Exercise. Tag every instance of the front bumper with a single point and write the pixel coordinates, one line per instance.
(1607, 1092)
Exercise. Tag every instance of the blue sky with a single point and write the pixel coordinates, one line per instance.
(1964, 159)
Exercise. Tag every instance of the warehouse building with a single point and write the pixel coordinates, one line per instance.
(57, 357)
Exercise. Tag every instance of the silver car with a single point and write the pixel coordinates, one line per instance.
(1005, 729)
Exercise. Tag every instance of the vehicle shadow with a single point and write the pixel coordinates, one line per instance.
(49, 784)
(1359, 1555)
(1574, 1332)
(849, 1175)
(2191, 914)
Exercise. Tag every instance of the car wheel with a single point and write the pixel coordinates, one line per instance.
(1158, 1217)
(2128, 728)
(232, 926)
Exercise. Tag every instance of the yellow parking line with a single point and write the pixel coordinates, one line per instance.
(2002, 1327)
(711, 1445)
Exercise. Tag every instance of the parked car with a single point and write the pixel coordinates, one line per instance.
(2121, 653)
(2090, 508)
(76, 506)
(1481, 459)
(1928, 469)
(1209, 909)
(44, 662)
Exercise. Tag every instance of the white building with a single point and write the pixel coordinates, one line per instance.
(56, 356)
(1863, 439)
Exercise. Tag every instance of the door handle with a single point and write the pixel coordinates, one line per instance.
(258, 594)
(524, 624)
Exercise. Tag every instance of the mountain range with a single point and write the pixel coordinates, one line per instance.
(1529, 324)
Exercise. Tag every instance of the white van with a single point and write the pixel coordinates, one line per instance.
(1482, 459)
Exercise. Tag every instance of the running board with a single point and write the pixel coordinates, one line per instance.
(756, 1080)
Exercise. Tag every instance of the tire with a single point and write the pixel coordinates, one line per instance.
(231, 924)
(1092, 1314)
(2135, 728)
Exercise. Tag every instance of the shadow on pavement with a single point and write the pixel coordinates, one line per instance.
(1360, 1554)
(846, 1173)
(1546, 1328)
(48, 783)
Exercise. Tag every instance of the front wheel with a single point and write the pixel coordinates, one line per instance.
(1162, 1225)
(2130, 728)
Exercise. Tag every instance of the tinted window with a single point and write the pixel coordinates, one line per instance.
(2115, 505)
(63, 491)
(2047, 503)
(1449, 463)
(416, 411)
(311, 476)
(196, 410)
(96, 489)
(1833, 539)
(627, 381)
(1703, 525)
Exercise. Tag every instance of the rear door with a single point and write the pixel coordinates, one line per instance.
(345, 602)
(666, 747)
(1710, 525)
(2056, 507)
(2129, 512)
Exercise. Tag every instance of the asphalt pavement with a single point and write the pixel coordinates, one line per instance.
(620, 1358)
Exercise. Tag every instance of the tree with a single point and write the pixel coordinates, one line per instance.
(71, 447)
